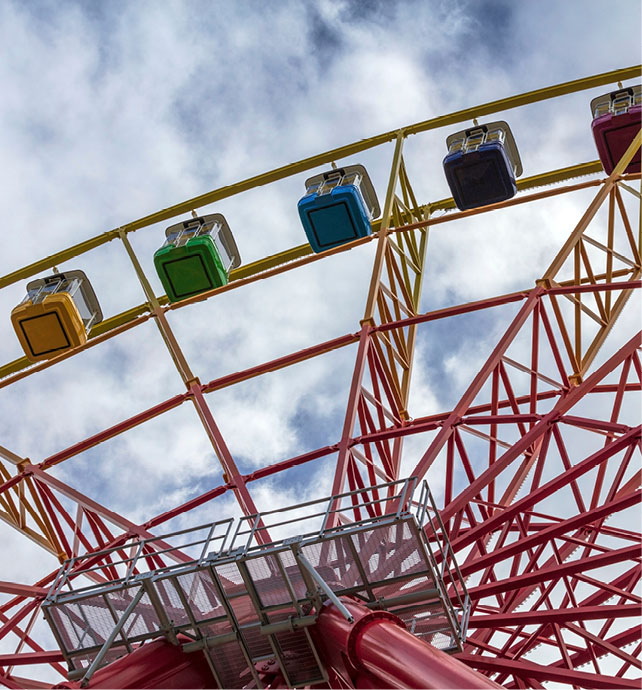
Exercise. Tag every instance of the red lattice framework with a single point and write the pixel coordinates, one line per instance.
(539, 458)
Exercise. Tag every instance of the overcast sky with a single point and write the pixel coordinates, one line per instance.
(113, 110)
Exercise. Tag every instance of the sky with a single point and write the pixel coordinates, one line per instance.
(113, 110)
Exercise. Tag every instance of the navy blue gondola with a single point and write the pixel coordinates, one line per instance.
(481, 165)
(338, 207)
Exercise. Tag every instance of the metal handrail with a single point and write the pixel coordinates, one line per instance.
(238, 541)
(70, 571)
(432, 601)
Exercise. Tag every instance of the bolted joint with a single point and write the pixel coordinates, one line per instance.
(575, 380)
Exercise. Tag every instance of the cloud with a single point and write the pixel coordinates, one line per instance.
(111, 111)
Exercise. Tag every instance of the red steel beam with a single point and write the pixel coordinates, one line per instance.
(13, 683)
(549, 520)
(456, 310)
(430, 422)
(86, 502)
(596, 424)
(22, 590)
(25, 658)
(500, 300)
(568, 548)
(598, 643)
(605, 590)
(112, 431)
(578, 613)
(527, 669)
(280, 362)
(542, 536)
(301, 355)
(554, 573)
(18, 599)
(466, 400)
(351, 412)
(419, 425)
(21, 682)
(520, 507)
(12, 622)
(620, 640)
(522, 445)
(603, 593)
(231, 472)
(28, 641)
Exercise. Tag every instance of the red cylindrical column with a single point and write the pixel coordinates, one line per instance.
(156, 664)
(379, 644)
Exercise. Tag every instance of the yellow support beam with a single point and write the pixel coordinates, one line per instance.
(294, 253)
(123, 318)
(271, 261)
(541, 180)
(568, 87)
(58, 258)
(14, 367)
(544, 94)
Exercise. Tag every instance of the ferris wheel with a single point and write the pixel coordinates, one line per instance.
(505, 551)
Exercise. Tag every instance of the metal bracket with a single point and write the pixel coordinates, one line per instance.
(303, 561)
(108, 642)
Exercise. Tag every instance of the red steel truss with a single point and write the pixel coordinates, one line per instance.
(539, 458)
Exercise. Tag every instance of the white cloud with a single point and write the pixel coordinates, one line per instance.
(112, 111)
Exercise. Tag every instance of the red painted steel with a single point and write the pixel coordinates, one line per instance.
(555, 573)
(27, 590)
(113, 431)
(157, 664)
(531, 537)
(519, 508)
(528, 670)
(378, 644)
(491, 620)
(28, 641)
(225, 457)
(31, 658)
(351, 414)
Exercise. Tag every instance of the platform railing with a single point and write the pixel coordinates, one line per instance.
(315, 516)
(443, 558)
(128, 561)
(217, 589)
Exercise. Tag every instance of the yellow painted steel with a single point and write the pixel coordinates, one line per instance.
(111, 325)
(552, 177)
(574, 247)
(122, 318)
(161, 321)
(58, 258)
(285, 171)
(409, 256)
(14, 367)
(272, 261)
(382, 242)
(573, 239)
(525, 98)
(303, 250)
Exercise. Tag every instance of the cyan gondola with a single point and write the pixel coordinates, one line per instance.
(338, 207)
